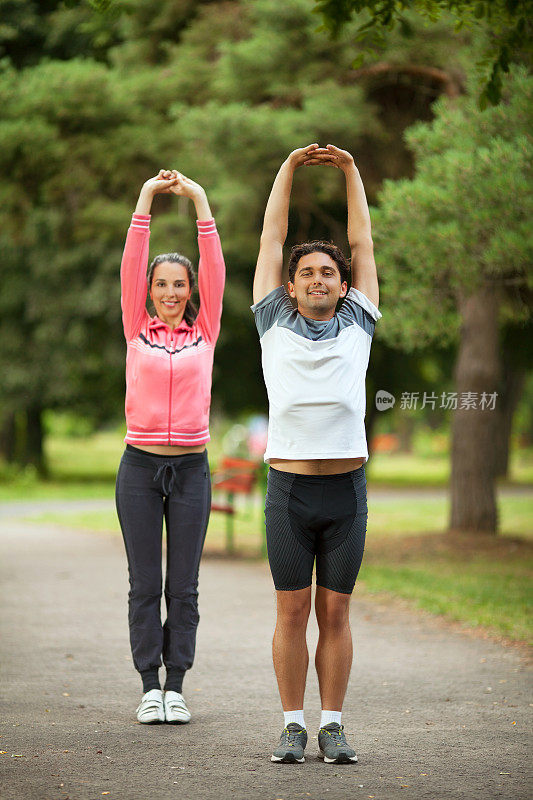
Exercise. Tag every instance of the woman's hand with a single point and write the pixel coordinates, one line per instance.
(162, 183)
(159, 184)
(333, 157)
(185, 187)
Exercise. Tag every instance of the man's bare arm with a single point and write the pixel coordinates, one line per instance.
(364, 273)
(268, 272)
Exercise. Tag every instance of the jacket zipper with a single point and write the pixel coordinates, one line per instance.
(170, 390)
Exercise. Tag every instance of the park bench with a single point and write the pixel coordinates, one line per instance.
(234, 476)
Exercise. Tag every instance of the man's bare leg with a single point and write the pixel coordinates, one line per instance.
(334, 652)
(289, 646)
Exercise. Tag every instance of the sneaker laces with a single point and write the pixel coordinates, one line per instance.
(292, 736)
(338, 736)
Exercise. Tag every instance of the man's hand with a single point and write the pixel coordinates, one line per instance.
(331, 156)
(185, 187)
(301, 155)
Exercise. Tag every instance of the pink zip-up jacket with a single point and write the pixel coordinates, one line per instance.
(168, 372)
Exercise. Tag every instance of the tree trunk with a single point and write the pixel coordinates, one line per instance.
(34, 452)
(405, 428)
(8, 437)
(473, 497)
(512, 387)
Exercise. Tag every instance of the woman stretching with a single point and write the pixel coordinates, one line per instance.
(164, 470)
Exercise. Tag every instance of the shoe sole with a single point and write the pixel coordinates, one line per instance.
(289, 758)
(178, 721)
(341, 759)
(151, 721)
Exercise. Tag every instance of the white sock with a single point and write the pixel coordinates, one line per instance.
(330, 716)
(294, 716)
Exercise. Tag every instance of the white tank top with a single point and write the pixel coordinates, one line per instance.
(315, 377)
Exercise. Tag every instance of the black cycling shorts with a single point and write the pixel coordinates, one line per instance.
(322, 516)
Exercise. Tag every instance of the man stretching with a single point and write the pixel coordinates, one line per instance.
(314, 364)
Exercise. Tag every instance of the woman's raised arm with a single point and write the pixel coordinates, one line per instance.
(211, 268)
(135, 256)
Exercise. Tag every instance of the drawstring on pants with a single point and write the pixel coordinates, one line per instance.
(164, 475)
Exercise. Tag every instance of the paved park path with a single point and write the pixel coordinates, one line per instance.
(434, 713)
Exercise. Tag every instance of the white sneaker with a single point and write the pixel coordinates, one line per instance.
(175, 708)
(151, 709)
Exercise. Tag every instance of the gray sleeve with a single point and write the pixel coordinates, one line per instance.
(358, 308)
(271, 308)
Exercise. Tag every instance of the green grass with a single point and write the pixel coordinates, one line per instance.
(478, 592)
(433, 469)
(89, 458)
(408, 516)
(55, 490)
(406, 469)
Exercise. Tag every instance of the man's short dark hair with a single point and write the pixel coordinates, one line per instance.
(330, 249)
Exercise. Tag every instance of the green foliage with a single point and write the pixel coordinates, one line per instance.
(507, 27)
(95, 103)
(66, 197)
(56, 29)
(464, 219)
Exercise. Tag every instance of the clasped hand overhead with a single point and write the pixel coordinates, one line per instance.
(170, 181)
(313, 154)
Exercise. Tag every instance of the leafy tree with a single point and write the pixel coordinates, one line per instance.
(69, 179)
(456, 251)
(222, 90)
(507, 25)
(65, 29)
(266, 84)
(32, 30)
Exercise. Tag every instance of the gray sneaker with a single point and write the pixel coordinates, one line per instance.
(334, 748)
(291, 745)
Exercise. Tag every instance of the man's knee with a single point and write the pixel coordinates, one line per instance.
(294, 607)
(332, 609)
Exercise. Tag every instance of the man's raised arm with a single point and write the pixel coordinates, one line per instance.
(364, 273)
(268, 271)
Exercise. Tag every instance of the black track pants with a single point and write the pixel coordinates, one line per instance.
(178, 488)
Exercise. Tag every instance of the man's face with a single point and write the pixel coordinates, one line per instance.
(317, 286)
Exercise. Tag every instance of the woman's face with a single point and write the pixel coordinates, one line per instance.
(170, 291)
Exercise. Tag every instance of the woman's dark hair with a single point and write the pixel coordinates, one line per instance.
(330, 249)
(191, 312)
